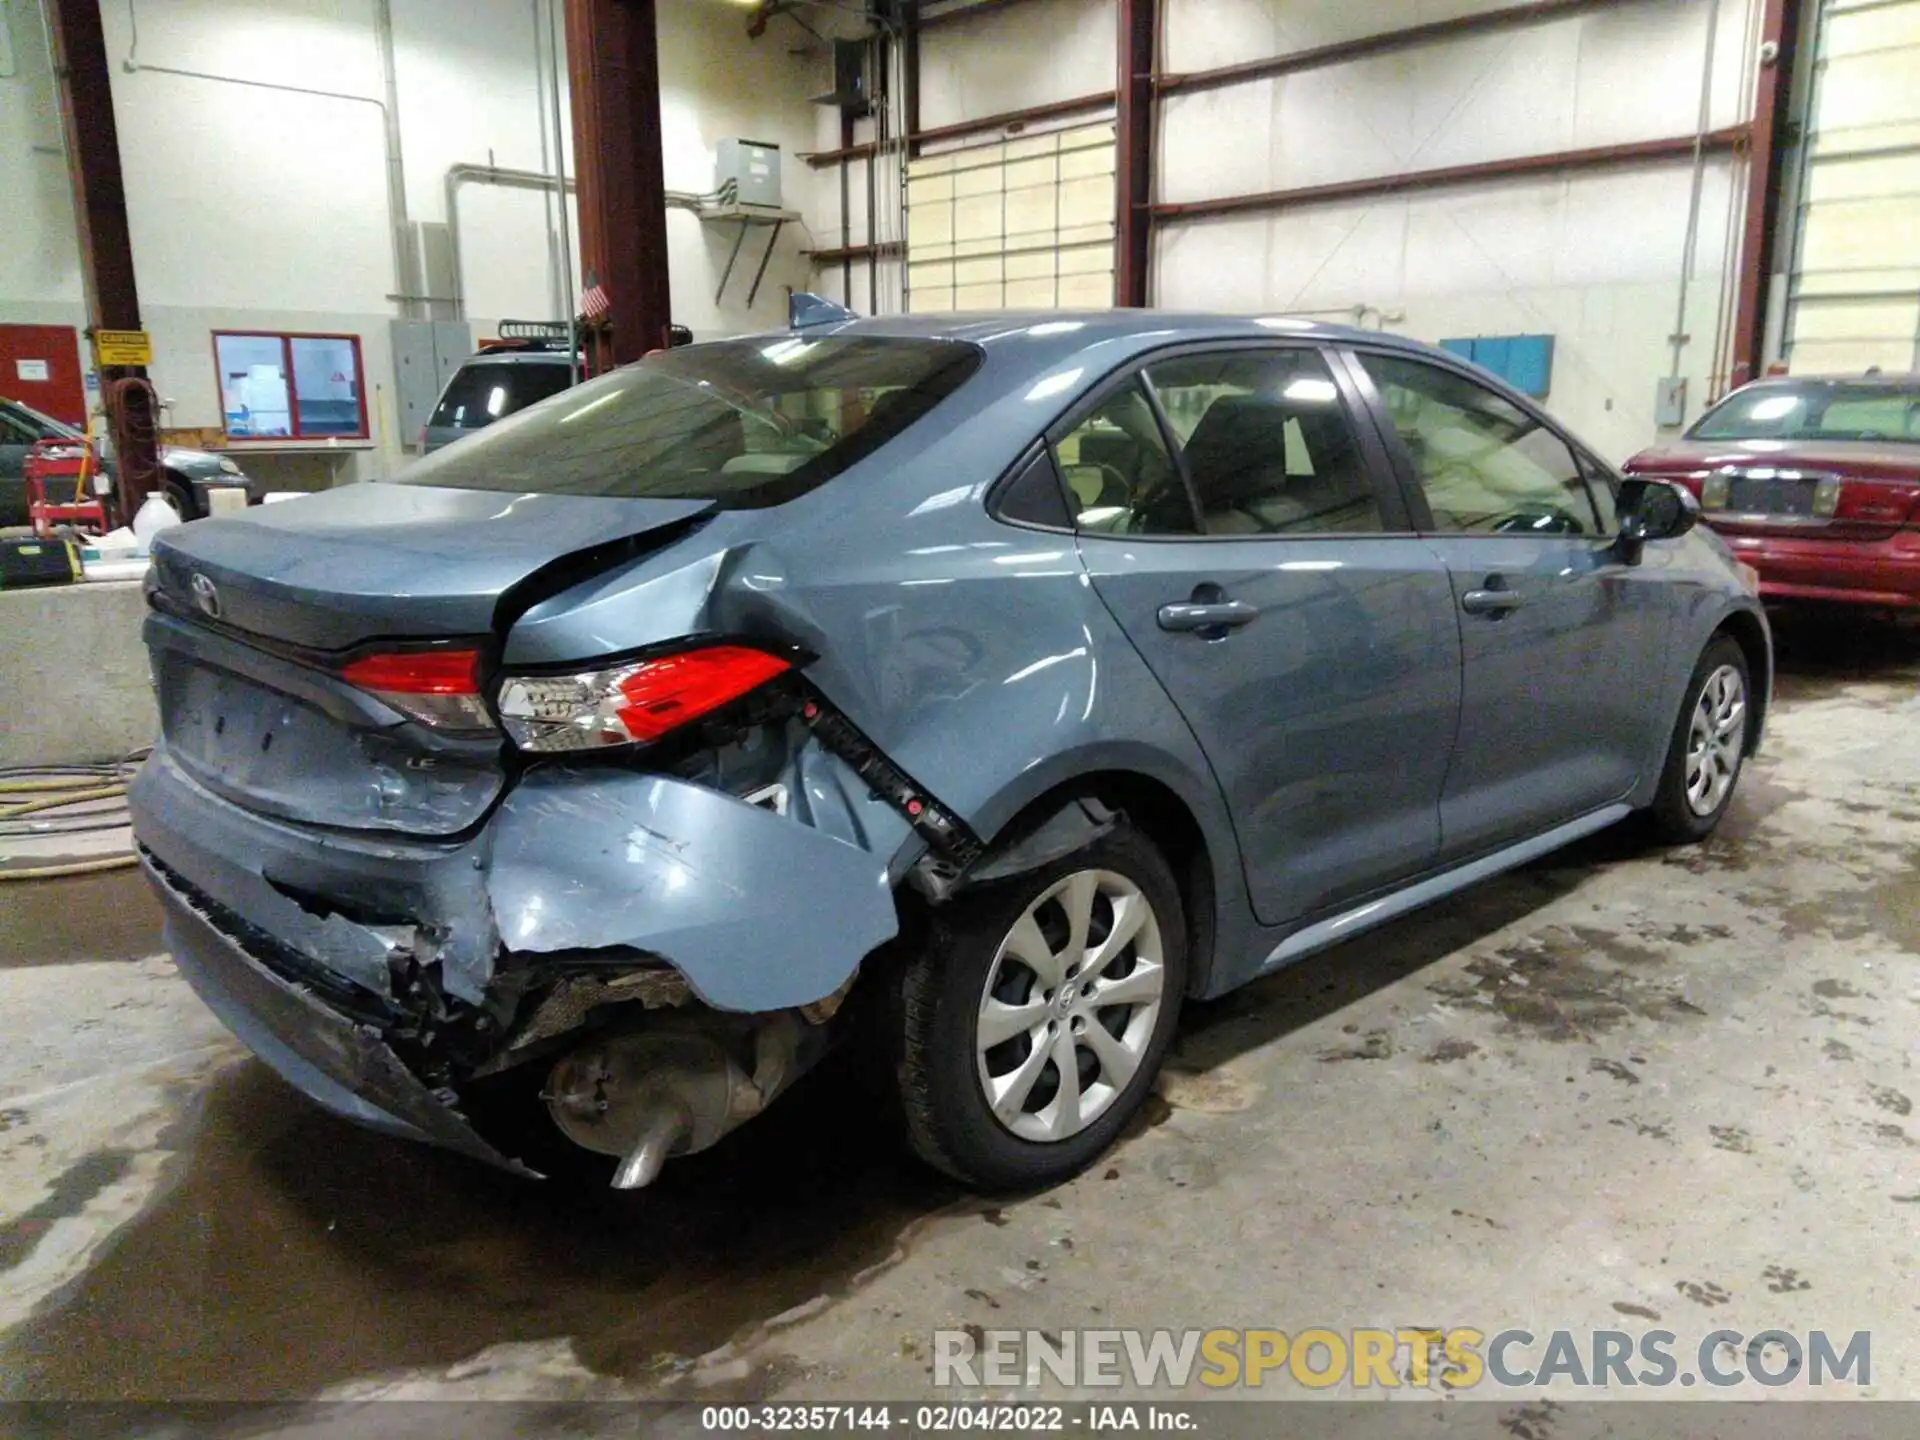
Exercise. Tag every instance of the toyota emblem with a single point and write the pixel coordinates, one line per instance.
(207, 596)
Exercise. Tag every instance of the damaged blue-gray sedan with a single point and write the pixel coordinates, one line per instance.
(978, 686)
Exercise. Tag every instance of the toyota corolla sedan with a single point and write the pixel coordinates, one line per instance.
(1814, 482)
(980, 686)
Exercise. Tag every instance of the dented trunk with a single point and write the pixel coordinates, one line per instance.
(386, 911)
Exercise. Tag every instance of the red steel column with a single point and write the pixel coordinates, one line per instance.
(106, 246)
(613, 66)
(1133, 221)
(1763, 219)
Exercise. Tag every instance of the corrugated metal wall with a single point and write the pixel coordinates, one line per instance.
(1854, 296)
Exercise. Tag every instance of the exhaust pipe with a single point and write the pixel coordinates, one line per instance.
(652, 1094)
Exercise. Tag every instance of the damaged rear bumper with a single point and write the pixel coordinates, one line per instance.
(307, 943)
(341, 1064)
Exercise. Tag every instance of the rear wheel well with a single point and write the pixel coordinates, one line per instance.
(1165, 819)
(1746, 632)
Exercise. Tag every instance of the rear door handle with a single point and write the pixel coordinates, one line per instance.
(1494, 601)
(1222, 615)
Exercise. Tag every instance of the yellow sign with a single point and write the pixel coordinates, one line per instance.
(123, 347)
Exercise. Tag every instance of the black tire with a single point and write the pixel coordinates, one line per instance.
(180, 496)
(949, 1122)
(1672, 818)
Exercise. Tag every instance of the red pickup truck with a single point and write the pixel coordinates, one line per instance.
(1814, 482)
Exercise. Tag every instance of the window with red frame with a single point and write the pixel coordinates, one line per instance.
(290, 387)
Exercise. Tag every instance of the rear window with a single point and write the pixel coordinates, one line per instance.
(745, 423)
(483, 391)
(1815, 410)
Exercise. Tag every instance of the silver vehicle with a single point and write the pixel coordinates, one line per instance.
(986, 685)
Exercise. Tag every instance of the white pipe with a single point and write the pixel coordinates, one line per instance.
(1690, 248)
(555, 44)
(546, 156)
(389, 120)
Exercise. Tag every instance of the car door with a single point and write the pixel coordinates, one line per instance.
(1561, 642)
(1245, 532)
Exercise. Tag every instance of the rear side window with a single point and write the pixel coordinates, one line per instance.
(744, 423)
(1267, 444)
(484, 391)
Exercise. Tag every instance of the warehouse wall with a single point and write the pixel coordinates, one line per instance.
(259, 208)
(1594, 258)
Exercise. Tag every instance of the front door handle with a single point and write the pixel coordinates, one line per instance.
(1495, 600)
(1220, 616)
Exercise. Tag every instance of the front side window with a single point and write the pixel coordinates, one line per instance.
(1267, 444)
(1120, 477)
(1484, 464)
(744, 423)
(291, 387)
(1814, 410)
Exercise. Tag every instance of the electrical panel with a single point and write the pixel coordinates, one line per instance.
(1670, 402)
(747, 172)
(1523, 361)
(425, 355)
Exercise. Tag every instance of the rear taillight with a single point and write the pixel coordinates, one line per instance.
(440, 688)
(631, 704)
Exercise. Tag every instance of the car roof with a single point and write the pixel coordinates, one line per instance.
(60, 427)
(1039, 342)
(1082, 327)
(1880, 379)
(516, 357)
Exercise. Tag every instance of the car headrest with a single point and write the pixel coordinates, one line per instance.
(1238, 444)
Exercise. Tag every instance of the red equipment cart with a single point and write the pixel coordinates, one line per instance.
(58, 473)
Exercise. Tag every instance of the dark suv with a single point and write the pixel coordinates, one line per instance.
(530, 361)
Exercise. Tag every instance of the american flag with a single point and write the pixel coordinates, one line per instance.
(594, 303)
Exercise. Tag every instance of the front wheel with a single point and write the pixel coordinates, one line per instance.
(1708, 745)
(1034, 1021)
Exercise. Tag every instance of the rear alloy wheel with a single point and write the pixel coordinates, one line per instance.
(1709, 743)
(1035, 1021)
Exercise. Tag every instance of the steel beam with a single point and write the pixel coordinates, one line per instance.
(1345, 51)
(1005, 120)
(1138, 22)
(1600, 157)
(951, 13)
(613, 68)
(106, 245)
(1781, 25)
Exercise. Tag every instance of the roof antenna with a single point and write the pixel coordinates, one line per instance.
(805, 310)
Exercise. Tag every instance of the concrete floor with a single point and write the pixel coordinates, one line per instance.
(1611, 1088)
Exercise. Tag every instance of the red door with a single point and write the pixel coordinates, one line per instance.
(40, 366)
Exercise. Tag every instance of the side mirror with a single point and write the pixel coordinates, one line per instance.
(1653, 510)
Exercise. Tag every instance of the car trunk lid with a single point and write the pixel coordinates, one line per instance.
(365, 562)
(1854, 491)
(258, 618)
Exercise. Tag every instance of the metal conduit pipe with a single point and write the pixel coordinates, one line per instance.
(470, 173)
(389, 125)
